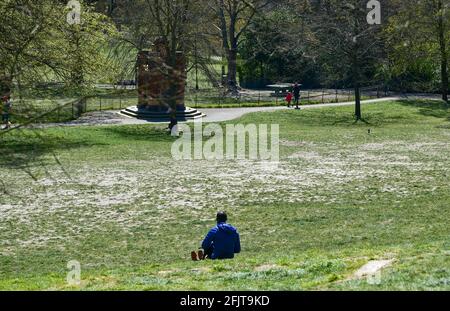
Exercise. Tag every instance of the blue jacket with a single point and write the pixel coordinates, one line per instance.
(225, 241)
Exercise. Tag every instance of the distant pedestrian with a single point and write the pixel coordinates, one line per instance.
(173, 125)
(297, 95)
(6, 111)
(289, 98)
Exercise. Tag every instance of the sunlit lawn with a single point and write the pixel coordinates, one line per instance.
(113, 199)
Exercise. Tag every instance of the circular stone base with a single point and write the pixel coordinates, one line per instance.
(143, 114)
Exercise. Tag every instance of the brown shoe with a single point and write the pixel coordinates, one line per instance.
(201, 255)
(194, 256)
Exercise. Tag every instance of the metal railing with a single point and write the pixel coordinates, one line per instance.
(212, 98)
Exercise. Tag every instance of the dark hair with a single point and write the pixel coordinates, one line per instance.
(222, 217)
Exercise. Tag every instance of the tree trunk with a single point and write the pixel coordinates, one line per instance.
(444, 58)
(224, 34)
(81, 107)
(232, 54)
(5, 85)
(77, 74)
(358, 102)
(444, 75)
(232, 71)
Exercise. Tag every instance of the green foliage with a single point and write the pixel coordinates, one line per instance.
(274, 50)
(413, 45)
(39, 46)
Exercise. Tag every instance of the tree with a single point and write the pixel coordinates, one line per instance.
(39, 45)
(85, 45)
(234, 17)
(419, 37)
(347, 44)
(275, 48)
(24, 26)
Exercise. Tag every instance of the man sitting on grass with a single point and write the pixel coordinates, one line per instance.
(222, 241)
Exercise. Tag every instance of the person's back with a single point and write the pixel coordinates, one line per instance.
(222, 241)
(296, 91)
(8, 105)
(297, 95)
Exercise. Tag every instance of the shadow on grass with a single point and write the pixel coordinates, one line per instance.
(362, 121)
(141, 133)
(431, 108)
(25, 149)
(352, 120)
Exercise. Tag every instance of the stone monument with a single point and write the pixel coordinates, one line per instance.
(161, 87)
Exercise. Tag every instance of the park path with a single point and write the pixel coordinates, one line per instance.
(212, 114)
(228, 114)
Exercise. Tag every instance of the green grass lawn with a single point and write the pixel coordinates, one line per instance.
(117, 203)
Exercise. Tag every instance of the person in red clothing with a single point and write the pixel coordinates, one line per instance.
(289, 98)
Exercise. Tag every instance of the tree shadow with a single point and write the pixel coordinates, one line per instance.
(140, 133)
(346, 120)
(429, 108)
(27, 149)
(362, 120)
(343, 121)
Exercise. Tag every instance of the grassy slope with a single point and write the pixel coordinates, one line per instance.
(340, 198)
